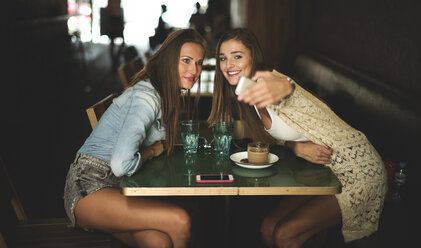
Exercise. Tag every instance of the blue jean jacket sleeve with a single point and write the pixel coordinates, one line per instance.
(140, 111)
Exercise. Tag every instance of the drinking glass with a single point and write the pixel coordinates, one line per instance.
(190, 136)
(222, 136)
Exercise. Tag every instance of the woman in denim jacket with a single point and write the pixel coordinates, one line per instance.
(139, 125)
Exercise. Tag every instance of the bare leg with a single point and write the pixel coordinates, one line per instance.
(129, 217)
(149, 238)
(298, 218)
(285, 207)
(111, 48)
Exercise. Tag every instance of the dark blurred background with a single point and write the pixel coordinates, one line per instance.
(54, 69)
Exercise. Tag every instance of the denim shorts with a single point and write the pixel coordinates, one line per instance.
(86, 175)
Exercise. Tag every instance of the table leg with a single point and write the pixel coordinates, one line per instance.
(227, 220)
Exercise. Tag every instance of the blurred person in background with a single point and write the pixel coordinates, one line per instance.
(112, 25)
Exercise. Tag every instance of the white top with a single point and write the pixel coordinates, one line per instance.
(280, 130)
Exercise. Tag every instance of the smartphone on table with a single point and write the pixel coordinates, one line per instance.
(243, 84)
(214, 178)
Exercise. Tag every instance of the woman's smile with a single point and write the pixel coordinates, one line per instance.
(234, 60)
(190, 64)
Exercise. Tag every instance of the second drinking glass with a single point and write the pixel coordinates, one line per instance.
(222, 136)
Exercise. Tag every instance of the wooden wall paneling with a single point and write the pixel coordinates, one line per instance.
(273, 21)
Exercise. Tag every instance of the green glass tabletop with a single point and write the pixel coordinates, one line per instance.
(175, 175)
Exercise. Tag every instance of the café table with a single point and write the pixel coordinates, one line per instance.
(174, 175)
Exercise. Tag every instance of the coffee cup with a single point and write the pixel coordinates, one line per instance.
(258, 152)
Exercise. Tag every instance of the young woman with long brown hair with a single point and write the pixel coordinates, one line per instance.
(139, 125)
(277, 106)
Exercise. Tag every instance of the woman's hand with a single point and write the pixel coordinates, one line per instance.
(152, 151)
(269, 89)
(310, 151)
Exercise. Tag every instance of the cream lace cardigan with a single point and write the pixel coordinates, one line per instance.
(355, 162)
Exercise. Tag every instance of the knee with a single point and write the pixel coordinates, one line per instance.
(283, 237)
(266, 230)
(160, 242)
(182, 223)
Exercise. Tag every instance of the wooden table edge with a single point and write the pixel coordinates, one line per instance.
(178, 191)
(289, 190)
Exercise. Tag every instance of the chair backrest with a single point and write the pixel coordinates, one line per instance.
(97, 110)
(11, 209)
(9, 194)
(130, 53)
(2, 242)
(127, 70)
(16, 230)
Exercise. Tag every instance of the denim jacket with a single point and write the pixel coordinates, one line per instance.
(132, 121)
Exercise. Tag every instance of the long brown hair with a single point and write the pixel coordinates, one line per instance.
(162, 70)
(224, 104)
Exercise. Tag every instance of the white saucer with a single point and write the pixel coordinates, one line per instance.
(244, 172)
(237, 157)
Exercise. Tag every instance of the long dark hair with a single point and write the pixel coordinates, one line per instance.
(162, 70)
(224, 104)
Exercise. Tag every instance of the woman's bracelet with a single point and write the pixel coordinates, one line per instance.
(291, 81)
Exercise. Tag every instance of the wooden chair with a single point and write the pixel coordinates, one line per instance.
(16, 230)
(127, 70)
(97, 110)
(2, 242)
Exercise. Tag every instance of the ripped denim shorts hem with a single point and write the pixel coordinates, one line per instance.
(87, 174)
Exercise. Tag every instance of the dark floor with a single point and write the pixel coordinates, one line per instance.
(47, 124)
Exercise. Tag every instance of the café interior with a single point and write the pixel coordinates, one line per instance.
(362, 58)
